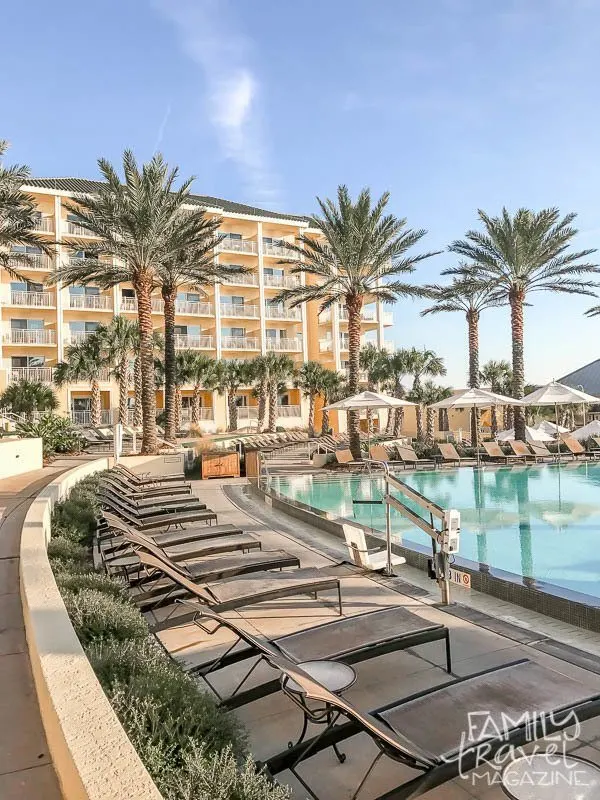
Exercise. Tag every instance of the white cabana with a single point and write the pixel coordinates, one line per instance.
(531, 435)
(591, 429)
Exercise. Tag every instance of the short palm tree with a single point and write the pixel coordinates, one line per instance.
(333, 388)
(119, 341)
(432, 393)
(420, 364)
(375, 362)
(141, 224)
(309, 379)
(26, 397)
(84, 363)
(230, 376)
(361, 256)
(201, 373)
(498, 376)
(17, 216)
(280, 369)
(260, 380)
(522, 253)
(397, 371)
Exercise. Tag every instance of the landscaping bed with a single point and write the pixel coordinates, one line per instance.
(191, 747)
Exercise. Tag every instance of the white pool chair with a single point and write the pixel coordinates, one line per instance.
(361, 555)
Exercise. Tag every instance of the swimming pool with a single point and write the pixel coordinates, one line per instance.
(540, 522)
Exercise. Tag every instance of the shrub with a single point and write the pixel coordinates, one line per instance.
(57, 433)
(67, 552)
(77, 581)
(95, 615)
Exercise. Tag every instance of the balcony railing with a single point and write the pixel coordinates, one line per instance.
(284, 345)
(239, 343)
(75, 229)
(247, 412)
(289, 411)
(84, 418)
(128, 304)
(32, 299)
(34, 336)
(34, 261)
(282, 281)
(281, 312)
(206, 412)
(97, 302)
(193, 308)
(37, 374)
(193, 341)
(77, 337)
(388, 318)
(44, 225)
(278, 250)
(242, 279)
(237, 245)
(325, 345)
(367, 314)
(104, 375)
(239, 310)
(363, 375)
(344, 343)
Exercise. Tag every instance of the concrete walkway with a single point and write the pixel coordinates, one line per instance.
(25, 764)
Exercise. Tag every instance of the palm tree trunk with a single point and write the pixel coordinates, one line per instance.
(123, 390)
(494, 421)
(430, 425)
(178, 409)
(311, 414)
(96, 404)
(233, 411)
(354, 306)
(516, 299)
(196, 405)
(272, 406)
(137, 386)
(262, 407)
(149, 437)
(171, 422)
(390, 421)
(325, 418)
(473, 327)
(398, 421)
(420, 432)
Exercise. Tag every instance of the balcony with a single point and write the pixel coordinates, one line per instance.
(104, 375)
(280, 312)
(36, 261)
(282, 281)
(284, 345)
(242, 279)
(227, 245)
(277, 250)
(183, 341)
(388, 319)
(325, 345)
(95, 302)
(37, 374)
(75, 229)
(193, 309)
(239, 310)
(205, 413)
(239, 343)
(289, 411)
(344, 343)
(33, 299)
(84, 418)
(367, 314)
(128, 304)
(34, 336)
(77, 337)
(44, 225)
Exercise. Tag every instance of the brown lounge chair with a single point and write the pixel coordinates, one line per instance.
(238, 592)
(495, 453)
(540, 449)
(450, 454)
(346, 458)
(379, 453)
(429, 732)
(349, 640)
(576, 449)
(409, 457)
(519, 448)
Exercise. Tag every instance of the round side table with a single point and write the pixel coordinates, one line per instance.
(557, 777)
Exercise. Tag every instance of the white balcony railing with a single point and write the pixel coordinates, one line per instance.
(128, 304)
(37, 374)
(325, 345)
(363, 375)
(33, 299)
(77, 337)
(367, 314)
(282, 281)
(44, 224)
(96, 302)
(34, 336)
(247, 412)
(278, 250)
(193, 308)
(284, 345)
(158, 305)
(243, 279)
(237, 245)
(388, 318)
(344, 343)
(239, 343)
(183, 341)
(104, 375)
(37, 261)
(75, 229)
(239, 310)
(206, 412)
(84, 418)
(289, 411)
(281, 312)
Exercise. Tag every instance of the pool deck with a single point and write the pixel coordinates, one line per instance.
(484, 633)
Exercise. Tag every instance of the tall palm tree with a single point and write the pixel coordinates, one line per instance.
(140, 224)
(85, 362)
(17, 216)
(230, 376)
(119, 340)
(333, 388)
(498, 376)
(281, 369)
(420, 364)
(27, 397)
(361, 256)
(157, 347)
(309, 379)
(523, 253)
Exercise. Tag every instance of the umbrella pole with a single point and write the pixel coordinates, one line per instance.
(477, 441)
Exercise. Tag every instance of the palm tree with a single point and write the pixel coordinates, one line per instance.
(360, 257)
(397, 370)
(27, 397)
(119, 340)
(419, 364)
(498, 376)
(309, 379)
(432, 393)
(333, 388)
(141, 225)
(201, 372)
(84, 363)
(375, 362)
(230, 375)
(519, 254)
(280, 369)
(260, 379)
(17, 217)
(157, 346)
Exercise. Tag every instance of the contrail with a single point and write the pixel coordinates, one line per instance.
(161, 129)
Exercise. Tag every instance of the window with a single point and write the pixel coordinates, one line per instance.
(268, 240)
(232, 235)
(283, 400)
(27, 324)
(21, 248)
(127, 294)
(19, 362)
(85, 254)
(83, 327)
(26, 286)
(272, 272)
(81, 404)
(241, 400)
(233, 300)
(82, 291)
(273, 333)
(188, 297)
(233, 331)
(181, 330)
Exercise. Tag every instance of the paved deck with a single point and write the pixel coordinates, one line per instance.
(273, 721)
(25, 764)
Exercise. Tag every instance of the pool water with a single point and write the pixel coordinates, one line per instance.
(538, 522)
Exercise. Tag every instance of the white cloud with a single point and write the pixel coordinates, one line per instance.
(210, 38)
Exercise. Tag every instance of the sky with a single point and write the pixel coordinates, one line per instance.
(450, 105)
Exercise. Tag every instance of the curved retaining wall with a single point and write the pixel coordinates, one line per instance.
(91, 753)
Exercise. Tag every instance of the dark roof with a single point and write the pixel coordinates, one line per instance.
(84, 186)
(587, 377)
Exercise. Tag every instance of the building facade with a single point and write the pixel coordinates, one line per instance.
(240, 319)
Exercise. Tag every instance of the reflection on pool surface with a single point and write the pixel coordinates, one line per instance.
(542, 523)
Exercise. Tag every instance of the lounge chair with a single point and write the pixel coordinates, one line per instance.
(520, 449)
(122, 483)
(239, 592)
(367, 558)
(350, 640)
(150, 503)
(346, 458)
(540, 449)
(433, 732)
(162, 539)
(577, 450)
(494, 453)
(450, 454)
(379, 453)
(409, 457)
(155, 521)
(145, 478)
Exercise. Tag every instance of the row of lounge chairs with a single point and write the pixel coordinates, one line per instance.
(425, 732)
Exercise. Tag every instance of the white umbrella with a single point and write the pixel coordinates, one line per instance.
(368, 400)
(557, 394)
(531, 435)
(551, 428)
(591, 429)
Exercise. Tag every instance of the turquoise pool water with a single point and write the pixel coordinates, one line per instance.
(541, 523)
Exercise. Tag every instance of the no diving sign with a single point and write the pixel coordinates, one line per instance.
(460, 578)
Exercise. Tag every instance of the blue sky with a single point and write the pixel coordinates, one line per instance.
(451, 105)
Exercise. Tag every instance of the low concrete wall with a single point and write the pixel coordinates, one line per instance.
(18, 456)
(91, 753)
(168, 464)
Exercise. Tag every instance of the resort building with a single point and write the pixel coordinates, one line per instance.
(238, 320)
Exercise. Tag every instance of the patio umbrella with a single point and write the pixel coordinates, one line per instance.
(591, 429)
(551, 428)
(476, 398)
(368, 401)
(531, 435)
(557, 394)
